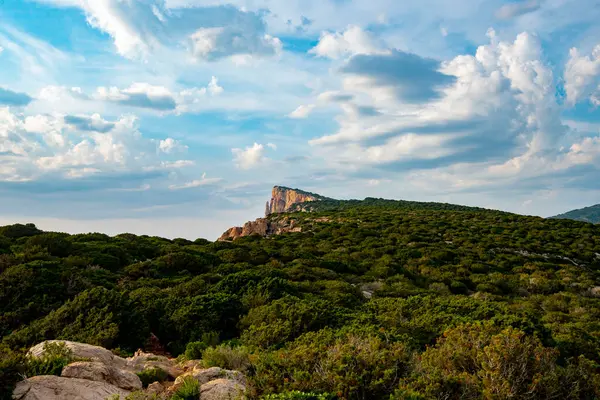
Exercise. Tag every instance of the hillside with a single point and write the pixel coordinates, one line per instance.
(369, 299)
(588, 214)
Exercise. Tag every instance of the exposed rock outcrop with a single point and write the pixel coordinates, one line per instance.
(141, 361)
(100, 372)
(50, 387)
(263, 227)
(82, 350)
(283, 198)
(221, 389)
(107, 375)
(210, 374)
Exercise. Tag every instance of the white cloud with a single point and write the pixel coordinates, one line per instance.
(170, 145)
(499, 117)
(302, 111)
(140, 29)
(141, 95)
(72, 147)
(354, 40)
(582, 76)
(61, 93)
(250, 157)
(10, 98)
(213, 87)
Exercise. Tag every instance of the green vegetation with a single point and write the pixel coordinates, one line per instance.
(55, 357)
(372, 300)
(588, 214)
(152, 375)
(189, 390)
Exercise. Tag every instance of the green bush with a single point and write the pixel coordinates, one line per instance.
(11, 371)
(152, 375)
(55, 357)
(194, 350)
(189, 390)
(226, 357)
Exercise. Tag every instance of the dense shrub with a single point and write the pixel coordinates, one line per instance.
(152, 375)
(372, 299)
(227, 357)
(55, 357)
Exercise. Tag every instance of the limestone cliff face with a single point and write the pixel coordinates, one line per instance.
(283, 198)
(263, 227)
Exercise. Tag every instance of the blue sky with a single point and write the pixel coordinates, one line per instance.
(176, 117)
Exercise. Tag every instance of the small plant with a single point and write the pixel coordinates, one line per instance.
(189, 390)
(152, 375)
(194, 350)
(55, 357)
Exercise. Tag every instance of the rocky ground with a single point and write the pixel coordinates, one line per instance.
(105, 376)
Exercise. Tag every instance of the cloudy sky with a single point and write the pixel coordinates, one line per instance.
(176, 117)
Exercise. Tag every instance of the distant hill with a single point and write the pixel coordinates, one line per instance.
(588, 214)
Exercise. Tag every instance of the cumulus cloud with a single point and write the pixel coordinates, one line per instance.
(61, 93)
(10, 98)
(89, 123)
(170, 145)
(512, 10)
(141, 28)
(250, 157)
(495, 105)
(412, 78)
(72, 146)
(141, 95)
(353, 40)
(582, 76)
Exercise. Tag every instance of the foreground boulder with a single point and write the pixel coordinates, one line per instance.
(141, 361)
(82, 350)
(210, 374)
(99, 372)
(222, 389)
(49, 387)
(99, 375)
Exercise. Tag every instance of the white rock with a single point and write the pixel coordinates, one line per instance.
(210, 374)
(82, 350)
(141, 361)
(100, 372)
(49, 387)
(222, 389)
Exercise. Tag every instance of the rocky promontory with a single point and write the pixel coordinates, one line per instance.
(283, 200)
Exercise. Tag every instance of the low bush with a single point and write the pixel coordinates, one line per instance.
(55, 357)
(152, 375)
(189, 390)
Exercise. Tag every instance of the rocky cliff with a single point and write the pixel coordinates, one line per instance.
(283, 198)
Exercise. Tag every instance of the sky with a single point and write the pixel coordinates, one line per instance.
(176, 117)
